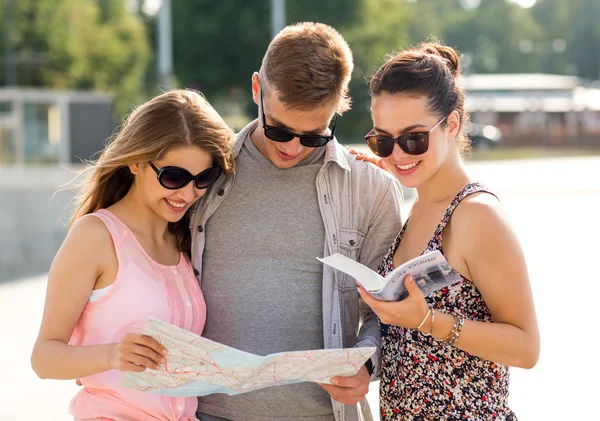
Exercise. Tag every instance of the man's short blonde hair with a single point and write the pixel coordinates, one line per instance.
(310, 65)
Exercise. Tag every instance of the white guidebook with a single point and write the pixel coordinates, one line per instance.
(431, 272)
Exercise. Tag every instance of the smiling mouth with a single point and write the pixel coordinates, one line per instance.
(176, 204)
(408, 166)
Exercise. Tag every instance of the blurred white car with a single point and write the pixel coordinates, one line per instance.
(483, 136)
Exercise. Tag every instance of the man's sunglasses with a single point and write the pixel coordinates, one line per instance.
(277, 134)
(174, 178)
(413, 143)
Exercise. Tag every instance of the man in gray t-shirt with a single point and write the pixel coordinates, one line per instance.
(257, 238)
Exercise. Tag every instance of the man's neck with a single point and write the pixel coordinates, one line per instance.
(257, 139)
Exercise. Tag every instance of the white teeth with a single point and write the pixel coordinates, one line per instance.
(409, 166)
(176, 205)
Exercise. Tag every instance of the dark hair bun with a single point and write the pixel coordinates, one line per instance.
(449, 55)
(431, 70)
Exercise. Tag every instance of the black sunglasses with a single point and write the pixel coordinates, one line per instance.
(413, 143)
(174, 178)
(278, 134)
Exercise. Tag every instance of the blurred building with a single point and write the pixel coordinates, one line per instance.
(535, 109)
(40, 132)
(50, 127)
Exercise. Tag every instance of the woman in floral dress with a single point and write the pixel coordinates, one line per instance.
(446, 355)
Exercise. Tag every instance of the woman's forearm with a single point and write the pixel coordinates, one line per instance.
(53, 359)
(498, 342)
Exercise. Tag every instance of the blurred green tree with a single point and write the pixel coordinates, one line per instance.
(383, 27)
(582, 37)
(555, 43)
(493, 35)
(78, 44)
(217, 45)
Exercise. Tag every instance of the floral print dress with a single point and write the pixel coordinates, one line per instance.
(423, 379)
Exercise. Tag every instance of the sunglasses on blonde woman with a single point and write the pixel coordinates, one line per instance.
(174, 178)
(413, 143)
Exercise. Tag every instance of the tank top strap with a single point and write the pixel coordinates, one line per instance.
(118, 230)
(467, 190)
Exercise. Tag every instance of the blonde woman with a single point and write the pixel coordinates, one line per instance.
(126, 258)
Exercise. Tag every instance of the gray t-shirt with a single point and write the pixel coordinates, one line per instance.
(262, 282)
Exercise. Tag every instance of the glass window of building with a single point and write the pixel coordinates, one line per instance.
(41, 133)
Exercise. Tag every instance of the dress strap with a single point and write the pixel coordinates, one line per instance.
(118, 230)
(468, 190)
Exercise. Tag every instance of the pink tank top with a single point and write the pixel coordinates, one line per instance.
(143, 288)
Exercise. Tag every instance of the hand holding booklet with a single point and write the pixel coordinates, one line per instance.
(431, 272)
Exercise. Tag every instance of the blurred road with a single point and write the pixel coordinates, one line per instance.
(555, 207)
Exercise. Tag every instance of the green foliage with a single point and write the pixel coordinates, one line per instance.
(98, 44)
(219, 44)
(79, 44)
(491, 36)
(583, 38)
(383, 28)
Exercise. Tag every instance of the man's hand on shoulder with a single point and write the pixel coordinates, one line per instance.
(349, 390)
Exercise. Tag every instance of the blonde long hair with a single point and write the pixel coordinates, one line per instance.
(176, 118)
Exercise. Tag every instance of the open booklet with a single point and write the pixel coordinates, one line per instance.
(197, 366)
(431, 272)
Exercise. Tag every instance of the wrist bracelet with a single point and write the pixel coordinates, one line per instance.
(424, 319)
(461, 322)
(455, 332)
(448, 338)
(432, 321)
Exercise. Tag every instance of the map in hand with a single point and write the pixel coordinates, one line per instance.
(197, 366)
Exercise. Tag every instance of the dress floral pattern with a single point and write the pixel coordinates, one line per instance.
(423, 379)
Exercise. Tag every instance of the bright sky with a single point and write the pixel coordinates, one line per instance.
(472, 4)
(524, 3)
(151, 6)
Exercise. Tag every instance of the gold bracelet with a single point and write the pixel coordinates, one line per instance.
(432, 321)
(444, 340)
(461, 322)
(424, 318)
(455, 332)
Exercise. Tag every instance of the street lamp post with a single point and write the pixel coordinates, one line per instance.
(165, 44)
(9, 56)
(277, 16)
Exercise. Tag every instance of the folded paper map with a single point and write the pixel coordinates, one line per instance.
(197, 366)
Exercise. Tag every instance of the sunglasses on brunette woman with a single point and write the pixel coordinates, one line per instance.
(413, 143)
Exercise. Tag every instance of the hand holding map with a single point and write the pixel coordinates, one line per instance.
(197, 366)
